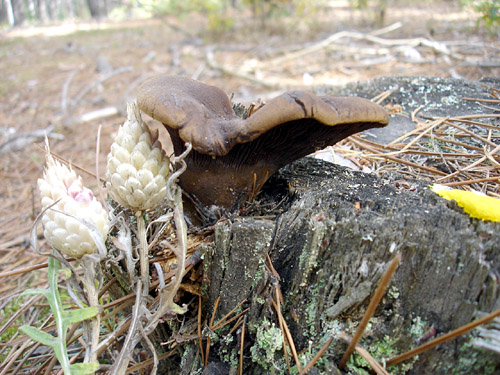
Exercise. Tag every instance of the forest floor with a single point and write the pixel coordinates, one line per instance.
(54, 79)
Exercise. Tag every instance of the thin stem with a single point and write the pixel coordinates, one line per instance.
(143, 252)
(93, 300)
(121, 364)
(97, 174)
(180, 252)
(57, 309)
(207, 351)
(174, 194)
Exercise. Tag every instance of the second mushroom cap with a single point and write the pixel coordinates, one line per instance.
(233, 157)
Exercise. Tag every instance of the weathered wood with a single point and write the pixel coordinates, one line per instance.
(330, 234)
(335, 235)
(330, 256)
(235, 264)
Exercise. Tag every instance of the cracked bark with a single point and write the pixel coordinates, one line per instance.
(330, 256)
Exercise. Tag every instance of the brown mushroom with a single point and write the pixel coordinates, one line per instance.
(233, 157)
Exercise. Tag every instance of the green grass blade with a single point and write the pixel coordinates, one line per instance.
(84, 368)
(36, 335)
(78, 315)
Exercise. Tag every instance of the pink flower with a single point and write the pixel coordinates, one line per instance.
(65, 233)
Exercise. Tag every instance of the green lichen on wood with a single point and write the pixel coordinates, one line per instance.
(268, 343)
(316, 235)
(473, 360)
(330, 257)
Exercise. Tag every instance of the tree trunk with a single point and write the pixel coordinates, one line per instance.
(10, 12)
(97, 9)
(41, 11)
(19, 12)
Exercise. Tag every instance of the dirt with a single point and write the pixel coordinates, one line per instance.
(44, 67)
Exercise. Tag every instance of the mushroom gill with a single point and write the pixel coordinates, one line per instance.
(233, 157)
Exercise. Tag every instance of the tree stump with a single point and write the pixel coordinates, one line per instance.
(334, 236)
(330, 253)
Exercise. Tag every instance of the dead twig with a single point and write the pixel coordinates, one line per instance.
(373, 37)
(288, 336)
(147, 363)
(242, 341)
(496, 101)
(19, 142)
(78, 98)
(98, 114)
(67, 162)
(442, 339)
(207, 351)
(470, 166)
(428, 128)
(471, 133)
(470, 182)
(64, 93)
(280, 322)
(209, 56)
(377, 296)
(318, 355)
(225, 323)
(23, 270)
(371, 361)
(451, 154)
(359, 141)
(199, 330)
(221, 323)
(379, 370)
(384, 95)
(97, 172)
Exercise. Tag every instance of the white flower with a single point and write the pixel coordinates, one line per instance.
(137, 169)
(65, 233)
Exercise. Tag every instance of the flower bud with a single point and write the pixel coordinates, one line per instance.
(137, 168)
(62, 185)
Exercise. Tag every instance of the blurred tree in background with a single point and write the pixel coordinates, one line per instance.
(489, 10)
(98, 8)
(17, 12)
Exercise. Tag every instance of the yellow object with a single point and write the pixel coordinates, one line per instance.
(477, 205)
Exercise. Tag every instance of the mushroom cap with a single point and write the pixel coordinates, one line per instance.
(233, 157)
(203, 115)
